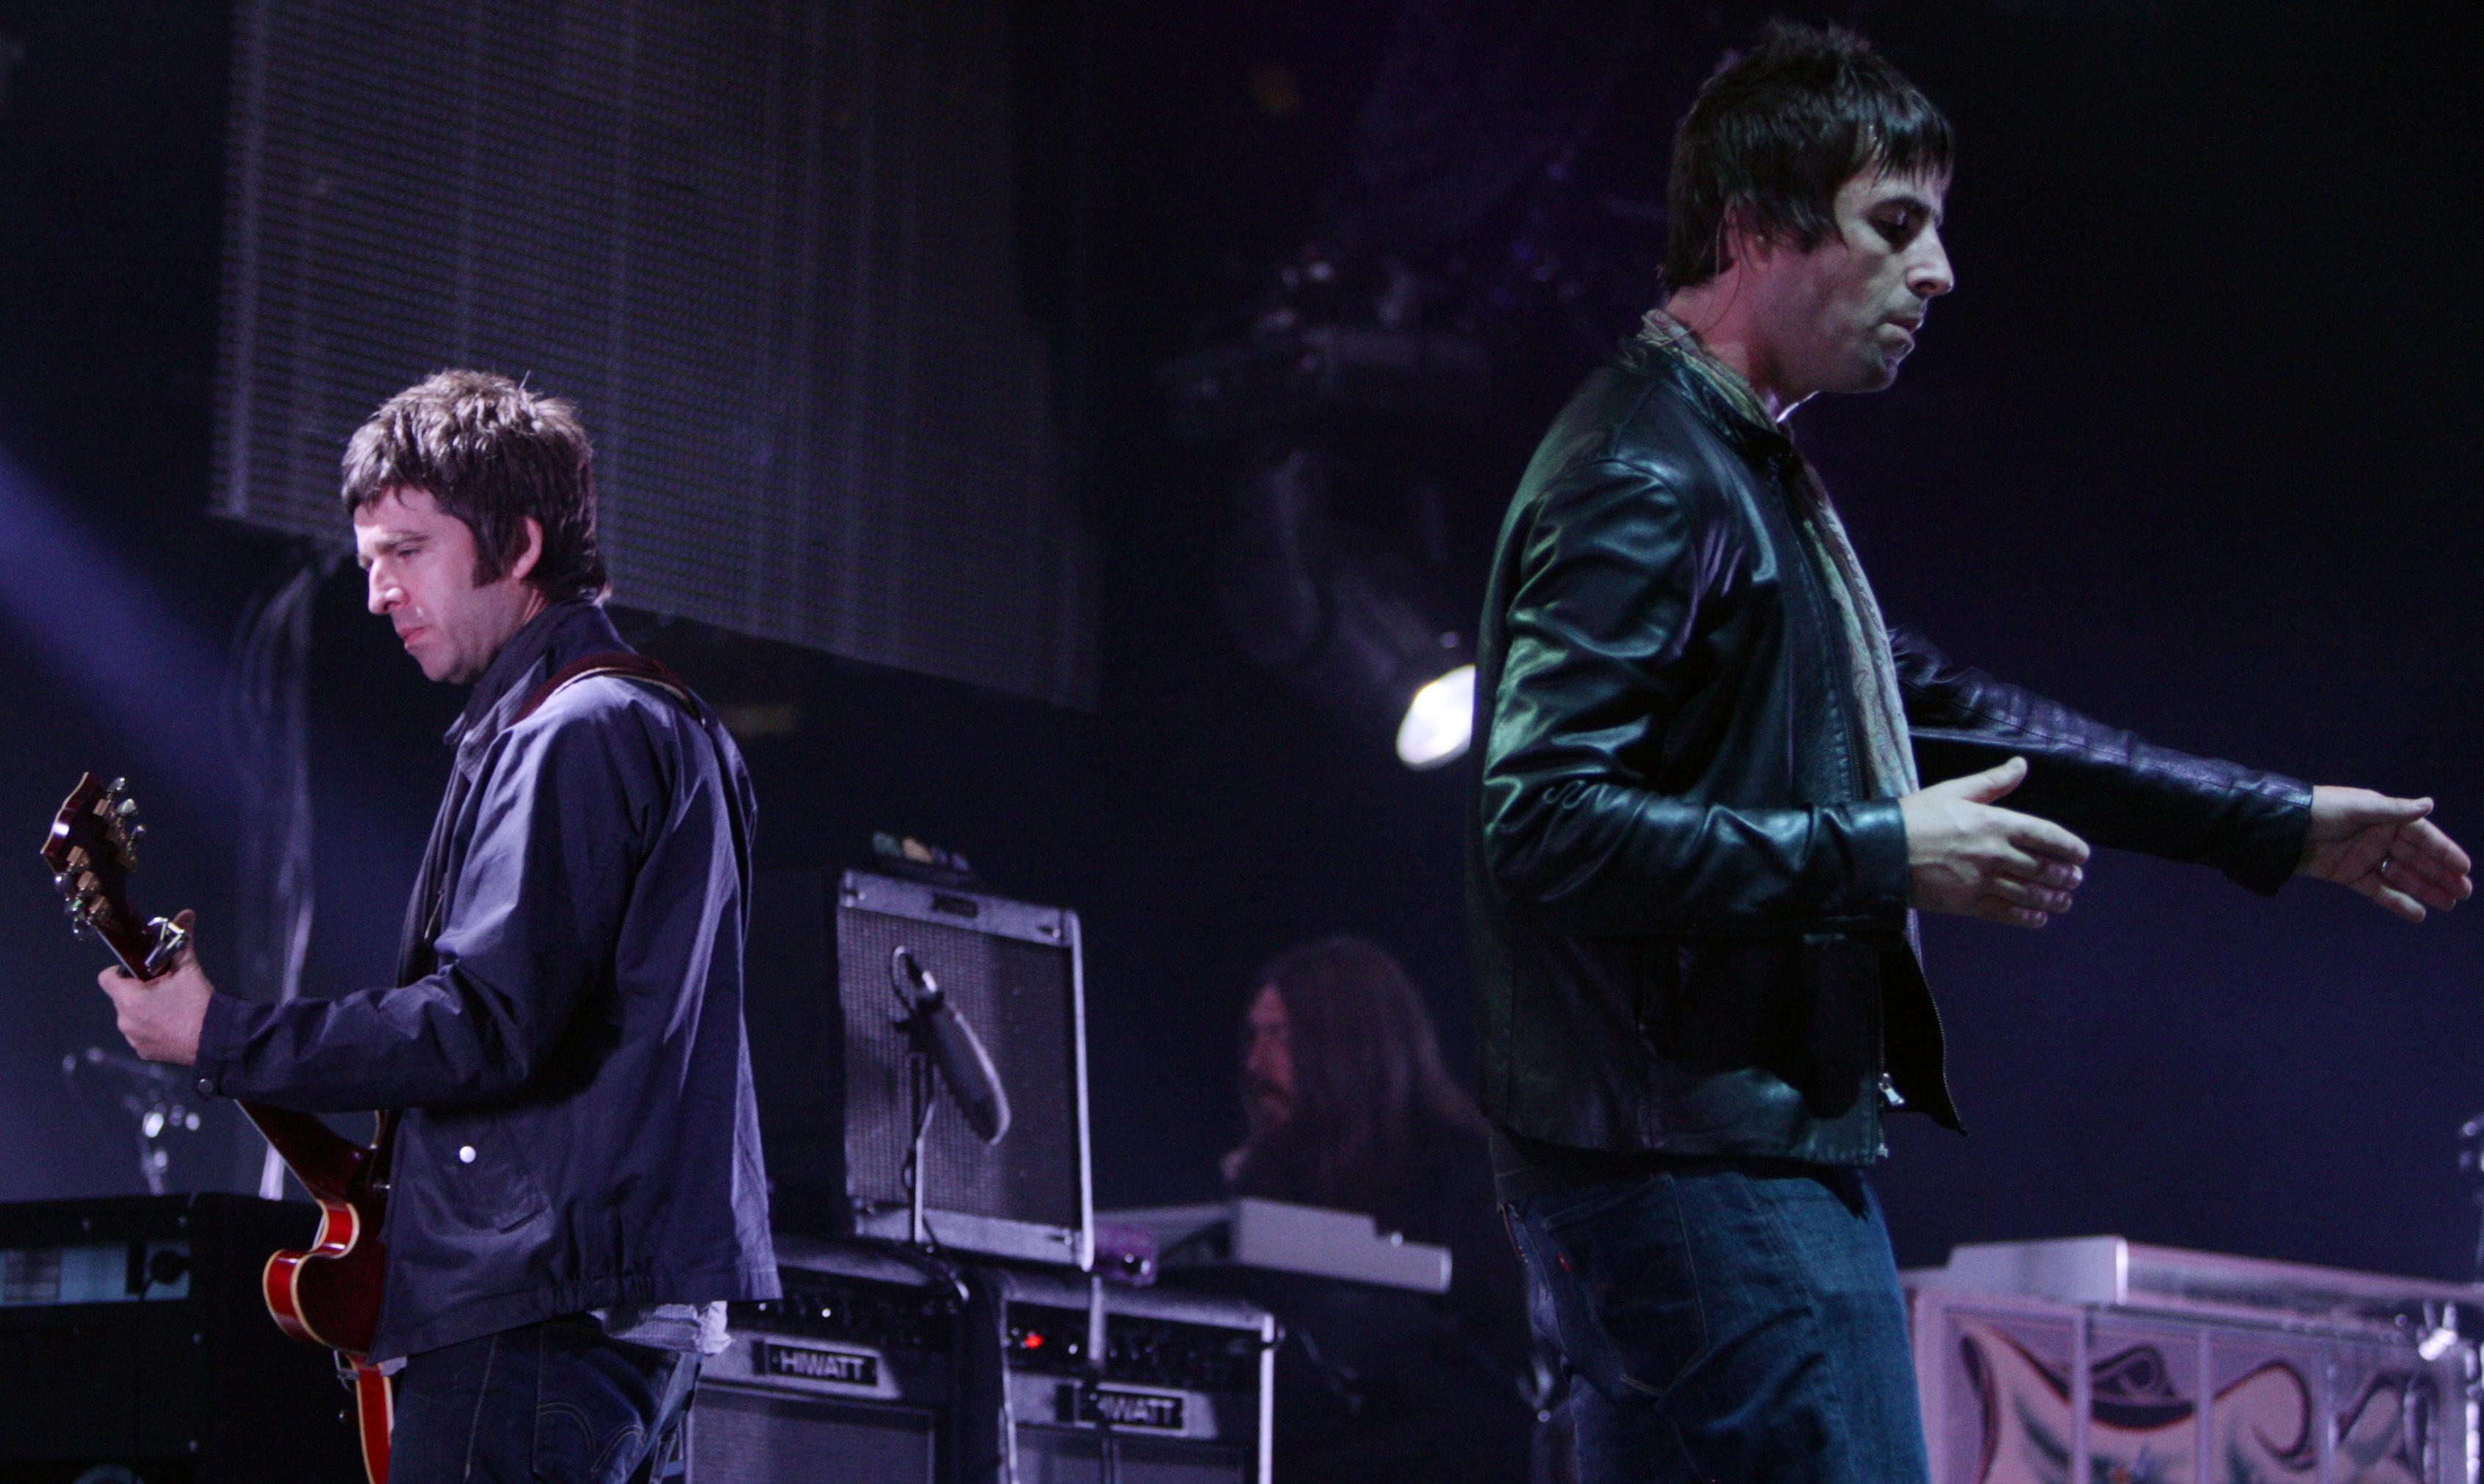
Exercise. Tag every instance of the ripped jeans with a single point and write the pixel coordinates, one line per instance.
(1727, 1320)
(557, 1402)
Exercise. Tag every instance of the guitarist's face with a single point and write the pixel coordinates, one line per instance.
(422, 564)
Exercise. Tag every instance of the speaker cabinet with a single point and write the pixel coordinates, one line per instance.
(1012, 971)
(848, 1379)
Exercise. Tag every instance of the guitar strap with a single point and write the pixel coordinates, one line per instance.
(654, 672)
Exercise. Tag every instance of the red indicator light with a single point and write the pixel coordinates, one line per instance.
(1034, 1339)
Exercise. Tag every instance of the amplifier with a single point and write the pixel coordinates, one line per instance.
(134, 1345)
(1184, 1394)
(1012, 972)
(848, 1379)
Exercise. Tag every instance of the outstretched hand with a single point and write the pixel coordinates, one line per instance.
(1965, 856)
(161, 1017)
(2387, 850)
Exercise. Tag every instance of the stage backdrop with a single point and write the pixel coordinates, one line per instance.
(773, 250)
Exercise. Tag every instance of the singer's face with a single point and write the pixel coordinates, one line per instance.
(1267, 1063)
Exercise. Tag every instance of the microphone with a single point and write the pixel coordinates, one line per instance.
(965, 1067)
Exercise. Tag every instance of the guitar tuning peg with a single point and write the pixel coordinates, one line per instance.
(136, 832)
(118, 784)
(126, 808)
(60, 883)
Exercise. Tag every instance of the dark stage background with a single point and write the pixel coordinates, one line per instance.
(2188, 449)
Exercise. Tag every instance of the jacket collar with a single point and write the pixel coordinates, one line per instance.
(1761, 443)
(563, 632)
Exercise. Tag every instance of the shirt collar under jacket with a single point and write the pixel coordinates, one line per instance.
(499, 693)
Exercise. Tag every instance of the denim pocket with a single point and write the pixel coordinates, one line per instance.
(1625, 1289)
(596, 1400)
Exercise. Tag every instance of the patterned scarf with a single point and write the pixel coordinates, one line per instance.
(1887, 751)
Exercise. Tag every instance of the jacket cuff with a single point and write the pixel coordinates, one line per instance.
(2273, 824)
(1883, 881)
(220, 1041)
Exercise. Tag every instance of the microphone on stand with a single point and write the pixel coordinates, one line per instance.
(965, 1068)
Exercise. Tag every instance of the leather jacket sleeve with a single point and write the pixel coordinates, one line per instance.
(1603, 611)
(2109, 786)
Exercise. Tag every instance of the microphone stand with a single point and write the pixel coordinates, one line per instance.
(918, 1072)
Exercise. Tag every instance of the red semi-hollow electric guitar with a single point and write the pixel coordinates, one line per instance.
(329, 1293)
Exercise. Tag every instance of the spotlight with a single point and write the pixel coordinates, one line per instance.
(1440, 722)
(1343, 617)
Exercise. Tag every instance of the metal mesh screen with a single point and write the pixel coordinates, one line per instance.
(1050, 1456)
(739, 1436)
(768, 247)
(1016, 995)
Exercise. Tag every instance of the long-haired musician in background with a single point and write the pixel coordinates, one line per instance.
(577, 1187)
(1348, 1106)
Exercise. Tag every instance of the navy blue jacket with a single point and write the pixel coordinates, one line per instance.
(580, 1127)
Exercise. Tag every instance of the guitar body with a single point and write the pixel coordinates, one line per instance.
(328, 1293)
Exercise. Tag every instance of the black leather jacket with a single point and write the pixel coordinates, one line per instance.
(1690, 925)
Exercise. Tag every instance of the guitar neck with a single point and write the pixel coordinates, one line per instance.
(325, 1161)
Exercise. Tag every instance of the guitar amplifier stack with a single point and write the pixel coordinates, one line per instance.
(993, 1358)
(881, 1368)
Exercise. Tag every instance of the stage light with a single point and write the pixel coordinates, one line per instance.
(1440, 722)
(1343, 615)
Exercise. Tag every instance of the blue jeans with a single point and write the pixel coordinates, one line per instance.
(1728, 1321)
(556, 1402)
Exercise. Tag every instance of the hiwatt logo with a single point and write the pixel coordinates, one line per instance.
(845, 1367)
(1150, 1409)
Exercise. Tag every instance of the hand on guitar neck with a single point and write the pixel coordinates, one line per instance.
(161, 1016)
(328, 1293)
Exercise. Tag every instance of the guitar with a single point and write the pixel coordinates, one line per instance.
(328, 1293)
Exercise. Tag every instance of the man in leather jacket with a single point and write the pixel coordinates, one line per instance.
(1698, 832)
(576, 1186)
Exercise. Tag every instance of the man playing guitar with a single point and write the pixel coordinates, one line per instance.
(575, 1179)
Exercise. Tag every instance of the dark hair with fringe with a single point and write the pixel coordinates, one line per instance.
(491, 453)
(1370, 1089)
(1778, 130)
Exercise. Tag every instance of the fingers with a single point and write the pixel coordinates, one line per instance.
(2395, 902)
(2433, 892)
(2044, 838)
(2421, 862)
(2017, 891)
(2379, 809)
(2422, 845)
(2035, 870)
(1993, 909)
(1990, 784)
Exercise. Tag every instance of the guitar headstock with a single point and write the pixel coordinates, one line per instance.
(92, 849)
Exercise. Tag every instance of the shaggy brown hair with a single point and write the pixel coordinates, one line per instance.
(1774, 134)
(491, 453)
